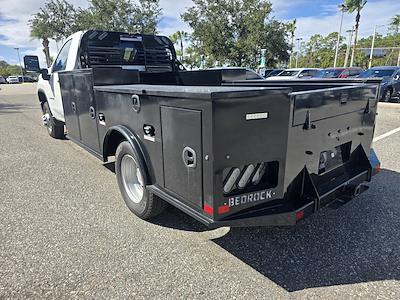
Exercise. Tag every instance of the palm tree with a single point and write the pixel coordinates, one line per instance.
(40, 29)
(180, 37)
(352, 6)
(291, 27)
(395, 24)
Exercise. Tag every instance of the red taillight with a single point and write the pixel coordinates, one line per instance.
(223, 209)
(208, 209)
(299, 215)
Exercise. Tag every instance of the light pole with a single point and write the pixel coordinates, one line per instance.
(372, 46)
(20, 65)
(298, 50)
(398, 59)
(342, 8)
(348, 47)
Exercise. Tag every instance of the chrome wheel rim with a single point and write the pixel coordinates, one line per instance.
(132, 178)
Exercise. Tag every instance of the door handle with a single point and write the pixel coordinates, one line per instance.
(92, 112)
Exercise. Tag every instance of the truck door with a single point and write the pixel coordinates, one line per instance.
(60, 64)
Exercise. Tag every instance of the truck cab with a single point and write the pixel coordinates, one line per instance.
(49, 84)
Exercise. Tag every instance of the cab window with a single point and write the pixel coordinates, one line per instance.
(304, 73)
(345, 74)
(355, 72)
(61, 62)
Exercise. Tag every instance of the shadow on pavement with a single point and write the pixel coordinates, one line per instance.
(171, 217)
(358, 242)
(7, 108)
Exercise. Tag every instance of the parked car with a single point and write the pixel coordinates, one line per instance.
(272, 72)
(26, 79)
(250, 74)
(2, 80)
(339, 72)
(390, 86)
(12, 79)
(296, 73)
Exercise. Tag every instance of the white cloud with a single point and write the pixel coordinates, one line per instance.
(374, 13)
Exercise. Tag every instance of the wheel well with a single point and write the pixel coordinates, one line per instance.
(114, 139)
(119, 134)
(42, 98)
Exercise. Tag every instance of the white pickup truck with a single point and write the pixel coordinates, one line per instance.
(48, 86)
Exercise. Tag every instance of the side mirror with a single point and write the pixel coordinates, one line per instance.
(397, 77)
(45, 74)
(301, 75)
(31, 63)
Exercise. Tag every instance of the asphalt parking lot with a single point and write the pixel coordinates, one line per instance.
(66, 233)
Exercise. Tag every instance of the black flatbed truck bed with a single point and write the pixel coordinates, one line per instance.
(229, 152)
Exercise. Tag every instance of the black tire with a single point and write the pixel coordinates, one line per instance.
(387, 95)
(54, 127)
(145, 206)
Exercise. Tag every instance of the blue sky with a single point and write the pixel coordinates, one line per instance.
(312, 16)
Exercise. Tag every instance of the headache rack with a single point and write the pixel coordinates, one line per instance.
(113, 49)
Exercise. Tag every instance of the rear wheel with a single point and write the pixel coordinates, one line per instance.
(387, 95)
(54, 127)
(137, 197)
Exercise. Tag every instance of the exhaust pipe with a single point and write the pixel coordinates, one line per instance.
(357, 190)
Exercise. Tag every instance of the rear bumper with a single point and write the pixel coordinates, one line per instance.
(274, 215)
(337, 197)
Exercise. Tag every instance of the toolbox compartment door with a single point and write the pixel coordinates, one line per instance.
(182, 151)
(323, 104)
(70, 105)
(86, 110)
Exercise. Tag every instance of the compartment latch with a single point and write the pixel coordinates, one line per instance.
(189, 157)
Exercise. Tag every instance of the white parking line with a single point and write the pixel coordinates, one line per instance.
(385, 135)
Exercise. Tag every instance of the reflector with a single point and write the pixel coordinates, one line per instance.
(259, 173)
(230, 183)
(299, 215)
(246, 176)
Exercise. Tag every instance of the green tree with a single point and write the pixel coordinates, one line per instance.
(386, 57)
(234, 32)
(9, 70)
(147, 15)
(62, 19)
(41, 29)
(395, 24)
(121, 15)
(192, 59)
(179, 38)
(319, 51)
(352, 6)
(56, 20)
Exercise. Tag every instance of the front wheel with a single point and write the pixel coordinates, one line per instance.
(54, 127)
(137, 197)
